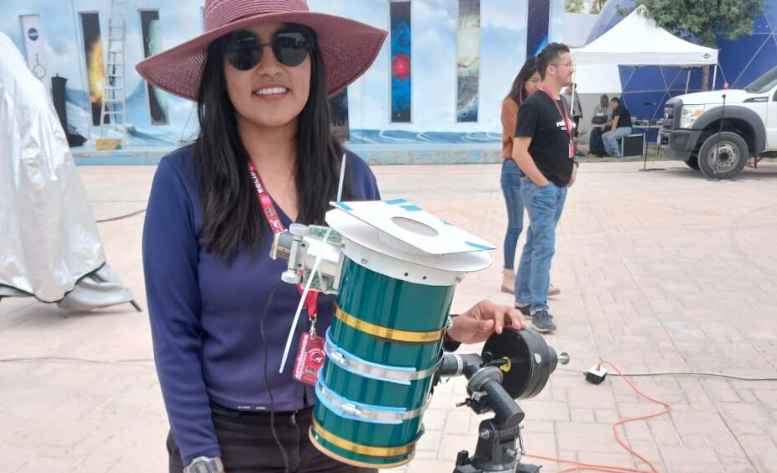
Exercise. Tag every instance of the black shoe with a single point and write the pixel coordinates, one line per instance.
(543, 322)
(525, 309)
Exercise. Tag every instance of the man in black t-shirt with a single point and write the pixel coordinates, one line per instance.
(545, 152)
(621, 126)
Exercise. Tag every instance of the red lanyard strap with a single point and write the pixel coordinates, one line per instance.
(271, 214)
(563, 113)
(264, 199)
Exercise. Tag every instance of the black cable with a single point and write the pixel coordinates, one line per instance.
(142, 360)
(63, 359)
(267, 382)
(121, 217)
(681, 373)
(54, 359)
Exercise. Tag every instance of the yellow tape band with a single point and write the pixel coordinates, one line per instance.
(387, 333)
(379, 452)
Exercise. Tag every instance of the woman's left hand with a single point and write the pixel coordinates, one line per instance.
(484, 319)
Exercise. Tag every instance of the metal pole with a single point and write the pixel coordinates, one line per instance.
(720, 132)
(714, 76)
(688, 80)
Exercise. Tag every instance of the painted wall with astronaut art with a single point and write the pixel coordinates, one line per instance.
(440, 77)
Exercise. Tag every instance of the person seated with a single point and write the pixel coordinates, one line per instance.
(600, 121)
(621, 126)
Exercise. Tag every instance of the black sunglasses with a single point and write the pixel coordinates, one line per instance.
(290, 47)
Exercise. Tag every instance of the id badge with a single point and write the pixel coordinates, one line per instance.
(310, 359)
(571, 150)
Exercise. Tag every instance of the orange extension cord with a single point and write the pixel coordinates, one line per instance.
(581, 466)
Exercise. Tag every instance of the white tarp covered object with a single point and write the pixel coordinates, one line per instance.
(50, 247)
(638, 41)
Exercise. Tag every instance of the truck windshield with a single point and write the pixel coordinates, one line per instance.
(763, 83)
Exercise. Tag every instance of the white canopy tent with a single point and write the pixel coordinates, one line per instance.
(637, 41)
(598, 79)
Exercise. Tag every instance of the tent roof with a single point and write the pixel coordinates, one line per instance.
(638, 41)
(598, 79)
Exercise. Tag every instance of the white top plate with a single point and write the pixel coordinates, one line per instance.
(372, 238)
(401, 220)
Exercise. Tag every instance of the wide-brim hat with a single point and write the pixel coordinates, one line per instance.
(348, 47)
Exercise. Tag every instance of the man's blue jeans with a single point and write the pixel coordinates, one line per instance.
(544, 205)
(611, 141)
(511, 188)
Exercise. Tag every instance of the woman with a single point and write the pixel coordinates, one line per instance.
(219, 315)
(526, 83)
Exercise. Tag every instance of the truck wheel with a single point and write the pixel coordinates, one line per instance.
(693, 163)
(730, 151)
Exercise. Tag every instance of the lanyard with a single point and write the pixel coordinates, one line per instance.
(311, 300)
(563, 113)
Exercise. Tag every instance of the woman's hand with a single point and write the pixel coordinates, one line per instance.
(484, 319)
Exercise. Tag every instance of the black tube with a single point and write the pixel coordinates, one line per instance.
(450, 365)
(505, 408)
(456, 365)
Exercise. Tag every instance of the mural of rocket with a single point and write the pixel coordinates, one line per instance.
(95, 70)
(400, 61)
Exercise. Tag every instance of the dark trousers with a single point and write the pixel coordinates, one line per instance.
(595, 143)
(247, 444)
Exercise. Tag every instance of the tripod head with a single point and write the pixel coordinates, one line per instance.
(514, 365)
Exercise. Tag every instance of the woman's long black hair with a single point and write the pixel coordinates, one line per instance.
(232, 218)
(518, 89)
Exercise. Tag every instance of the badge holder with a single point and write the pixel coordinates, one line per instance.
(310, 357)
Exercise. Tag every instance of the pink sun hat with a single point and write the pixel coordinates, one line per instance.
(348, 47)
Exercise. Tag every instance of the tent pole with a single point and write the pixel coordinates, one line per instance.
(688, 80)
(714, 76)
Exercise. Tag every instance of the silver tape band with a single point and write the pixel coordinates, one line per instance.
(347, 361)
(368, 413)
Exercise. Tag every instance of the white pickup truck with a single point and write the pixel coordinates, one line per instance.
(692, 130)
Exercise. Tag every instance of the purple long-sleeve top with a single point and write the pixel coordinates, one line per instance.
(205, 313)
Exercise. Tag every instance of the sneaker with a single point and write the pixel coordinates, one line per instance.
(524, 308)
(543, 322)
(553, 290)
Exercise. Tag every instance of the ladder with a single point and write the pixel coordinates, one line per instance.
(114, 105)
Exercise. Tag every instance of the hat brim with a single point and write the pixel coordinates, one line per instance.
(348, 49)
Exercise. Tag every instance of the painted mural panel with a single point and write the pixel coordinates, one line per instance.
(34, 46)
(538, 26)
(151, 30)
(95, 70)
(338, 105)
(426, 111)
(401, 93)
(468, 61)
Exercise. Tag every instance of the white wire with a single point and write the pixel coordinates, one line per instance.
(342, 179)
(302, 303)
(312, 274)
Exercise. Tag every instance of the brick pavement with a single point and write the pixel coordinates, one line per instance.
(660, 271)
